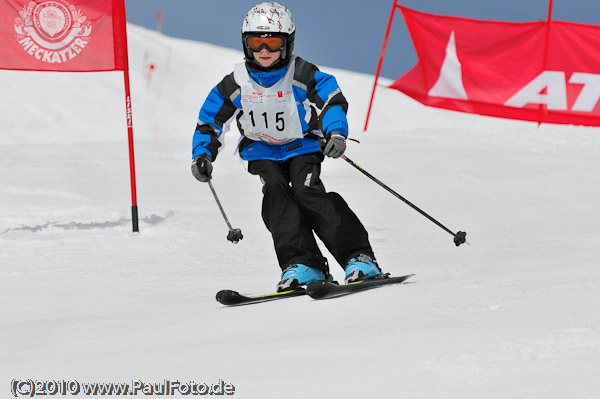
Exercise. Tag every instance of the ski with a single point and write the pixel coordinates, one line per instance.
(316, 290)
(234, 298)
(324, 289)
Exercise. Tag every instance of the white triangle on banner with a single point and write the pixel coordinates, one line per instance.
(450, 83)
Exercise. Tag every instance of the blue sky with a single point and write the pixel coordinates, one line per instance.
(345, 34)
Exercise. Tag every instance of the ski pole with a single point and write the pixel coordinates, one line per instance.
(459, 238)
(235, 235)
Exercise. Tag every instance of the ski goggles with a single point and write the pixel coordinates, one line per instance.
(271, 43)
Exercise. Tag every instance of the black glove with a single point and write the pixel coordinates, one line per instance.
(335, 145)
(202, 168)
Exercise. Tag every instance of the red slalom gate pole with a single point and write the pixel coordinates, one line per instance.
(122, 49)
(134, 209)
(159, 21)
(543, 109)
(381, 55)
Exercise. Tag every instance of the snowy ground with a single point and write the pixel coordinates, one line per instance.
(514, 315)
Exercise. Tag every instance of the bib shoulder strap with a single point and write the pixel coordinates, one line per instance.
(240, 74)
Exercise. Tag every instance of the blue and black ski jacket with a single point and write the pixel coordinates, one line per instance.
(321, 105)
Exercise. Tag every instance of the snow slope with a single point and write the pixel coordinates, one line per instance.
(513, 315)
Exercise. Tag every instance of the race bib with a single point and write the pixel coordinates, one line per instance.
(269, 114)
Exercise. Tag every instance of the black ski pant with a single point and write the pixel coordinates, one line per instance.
(295, 204)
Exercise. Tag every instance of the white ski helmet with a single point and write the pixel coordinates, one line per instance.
(269, 19)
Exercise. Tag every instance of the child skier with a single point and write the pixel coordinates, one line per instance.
(285, 108)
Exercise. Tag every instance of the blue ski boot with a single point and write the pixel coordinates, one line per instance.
(361, 268)
(296, 275)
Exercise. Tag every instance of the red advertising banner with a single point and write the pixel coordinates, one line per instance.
(63, 35)
(69, 36)
(535, 71)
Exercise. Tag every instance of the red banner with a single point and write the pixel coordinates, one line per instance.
(63, 35)
(535, 71)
